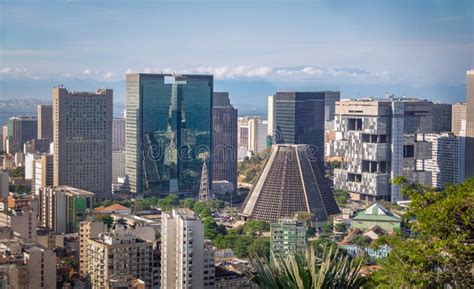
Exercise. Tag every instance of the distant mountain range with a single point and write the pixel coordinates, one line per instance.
(249, 96)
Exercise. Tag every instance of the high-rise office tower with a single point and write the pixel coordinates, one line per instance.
(469, 170)
(19, 130)
(169, 131)
(45, 122)
(376, 144)
(330, 99)
(182, 250)
(83, 140)
(299, 119)
(224, 137)
(447, 162)
(442, 117)
(120, 255)
(458, 117)
(118, 134)
(291, 182)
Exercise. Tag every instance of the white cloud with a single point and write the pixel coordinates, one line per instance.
(306, 73)
(87, 71)
(13, 70)
(112, 76)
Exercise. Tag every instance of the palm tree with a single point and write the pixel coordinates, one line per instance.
(308, 270)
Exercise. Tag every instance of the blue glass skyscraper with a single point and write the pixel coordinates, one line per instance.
(168, 131)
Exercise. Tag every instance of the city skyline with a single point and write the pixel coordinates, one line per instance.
(252, 49)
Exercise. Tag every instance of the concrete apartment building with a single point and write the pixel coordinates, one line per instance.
(457, 118)
(447, 162)
(183, 251)
(287, 236)
(82, 124)
(42, 173)
(88, 230)
(22, 220)
(27, 265)
(62, 208)
(370, 139)
(117, 255)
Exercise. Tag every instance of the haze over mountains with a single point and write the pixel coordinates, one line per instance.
(249, 93)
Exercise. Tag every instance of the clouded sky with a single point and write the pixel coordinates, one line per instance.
(415, 43)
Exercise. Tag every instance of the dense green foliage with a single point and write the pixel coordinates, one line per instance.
(256, 227)
(18, 172)
(341, 197)
(441, 250)
(323, 268)
(249, 169)
(243, 240)
(108, 220)
(260, 247)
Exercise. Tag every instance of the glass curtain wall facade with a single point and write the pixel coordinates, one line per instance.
(168, 132)
(299, 119)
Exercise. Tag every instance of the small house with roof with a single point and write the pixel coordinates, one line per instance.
(376, 215)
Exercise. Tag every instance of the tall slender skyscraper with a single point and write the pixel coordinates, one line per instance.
(45, 122)
(224, 139)
(470, 125)
(168, 131)
(83, 140)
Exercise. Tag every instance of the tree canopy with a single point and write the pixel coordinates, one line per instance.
(439, 252)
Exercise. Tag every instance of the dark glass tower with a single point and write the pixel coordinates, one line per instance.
(224, 139)
(168, 131)
(299, 119)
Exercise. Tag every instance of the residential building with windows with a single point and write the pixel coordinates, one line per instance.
(287, 236)
(447, 161)
(116, 254)
(183, 251)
